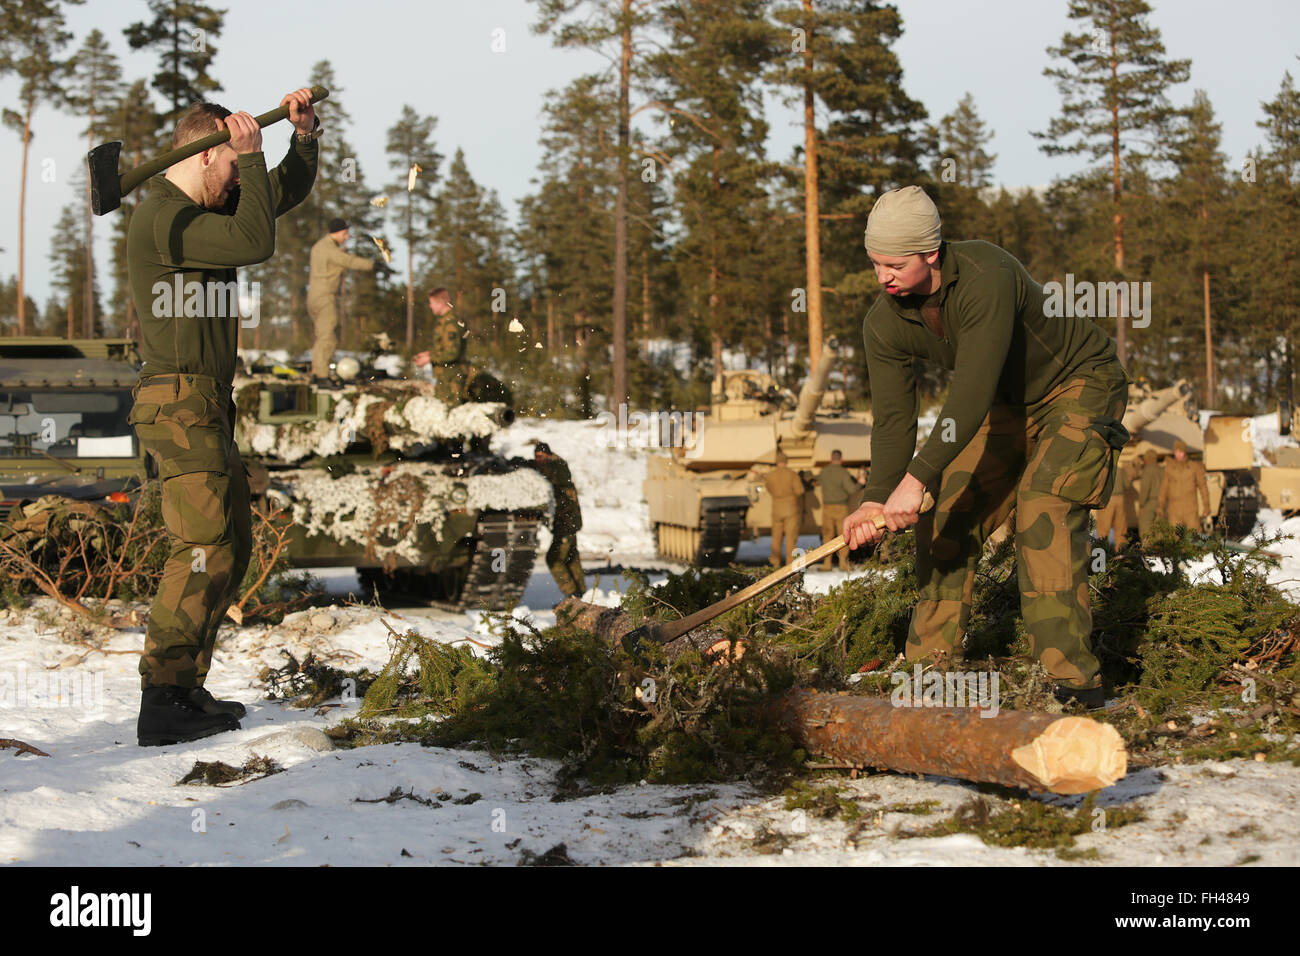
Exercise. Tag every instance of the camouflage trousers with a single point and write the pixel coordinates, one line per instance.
(185, 423)
(566, 564)
(1052, 461)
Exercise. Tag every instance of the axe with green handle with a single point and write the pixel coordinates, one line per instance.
(107, 186)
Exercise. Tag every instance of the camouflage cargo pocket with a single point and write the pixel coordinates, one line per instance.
(185, 434)
(195, 507)
(1077, 463)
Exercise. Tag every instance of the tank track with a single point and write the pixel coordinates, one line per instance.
(1241, 503)
(713, 544)
(509, 533)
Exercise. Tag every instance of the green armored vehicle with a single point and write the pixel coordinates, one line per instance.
(63, 429)
(381, 475)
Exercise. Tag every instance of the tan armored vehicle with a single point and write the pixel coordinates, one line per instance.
(1157, 418)
(708, 494)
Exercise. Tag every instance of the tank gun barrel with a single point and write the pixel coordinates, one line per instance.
(810, 396)
(1148, 410)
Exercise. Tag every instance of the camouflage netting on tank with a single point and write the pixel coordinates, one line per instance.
(366, 506)
(392, 417)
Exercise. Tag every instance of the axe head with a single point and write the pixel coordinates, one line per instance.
(105, 183)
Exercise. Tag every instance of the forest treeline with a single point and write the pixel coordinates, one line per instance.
(657, 214)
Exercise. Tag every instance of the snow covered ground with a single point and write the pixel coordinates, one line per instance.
(98, 799)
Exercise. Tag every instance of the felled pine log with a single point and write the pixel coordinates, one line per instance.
(1016, 748)
(1036, 751)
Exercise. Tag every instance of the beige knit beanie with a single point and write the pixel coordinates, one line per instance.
(903, 222)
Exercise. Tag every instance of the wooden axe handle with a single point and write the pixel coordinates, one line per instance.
(675, 629)
(134, 177)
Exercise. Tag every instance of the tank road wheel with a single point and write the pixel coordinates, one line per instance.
(500, 565)
(1239, 509)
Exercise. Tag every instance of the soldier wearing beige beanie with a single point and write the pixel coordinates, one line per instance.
(1031, 423)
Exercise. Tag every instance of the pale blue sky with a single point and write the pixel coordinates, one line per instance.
(438, 57)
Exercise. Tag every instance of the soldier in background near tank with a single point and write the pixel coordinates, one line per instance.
(562, 558)
(1149, 493)
(786, 490)
(1183, 482)
(1120, 513)
(838, 488)
(328, 264)
(446, 355)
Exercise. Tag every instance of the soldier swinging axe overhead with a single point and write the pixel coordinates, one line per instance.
(107, 186)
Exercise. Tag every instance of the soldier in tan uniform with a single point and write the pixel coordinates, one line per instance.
(328, 263)
(786, 490)
(1120, 513)
(1149, 494)
(838, 490)
(1183, 483)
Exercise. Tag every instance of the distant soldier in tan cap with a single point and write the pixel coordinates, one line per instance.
(1183, 484)
(1149, 494)
(786, 490)
(1032, 422)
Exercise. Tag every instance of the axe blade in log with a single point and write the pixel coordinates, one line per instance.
(671, 630)
(108, 186)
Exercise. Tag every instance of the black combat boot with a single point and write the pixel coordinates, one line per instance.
(200, 697)
(168, 716)
(1092, 698)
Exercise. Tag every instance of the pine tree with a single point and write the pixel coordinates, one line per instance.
(412, 153)
(132, 122)
(612, 27)
(1113, 88)
(711, 94)
(1195, 208)
(94, 87)
(963, 170)
(182, 33)
(875, 140)
(69, 274)
(31, 36)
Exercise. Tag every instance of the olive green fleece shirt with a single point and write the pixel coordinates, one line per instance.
(998, 341)
(172, 238)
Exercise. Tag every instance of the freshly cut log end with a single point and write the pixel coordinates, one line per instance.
(1075, 755)
(1044, 752)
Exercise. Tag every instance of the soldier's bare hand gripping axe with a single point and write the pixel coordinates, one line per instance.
(108, 186)
(869, 523)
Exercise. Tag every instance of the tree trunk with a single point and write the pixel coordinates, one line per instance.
(618, 390)
(88, 308)
(1014, 748)
(22, 220)
(1121, 337)
(410, 280)
(812, 231)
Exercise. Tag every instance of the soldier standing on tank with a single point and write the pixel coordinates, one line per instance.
(328, 264)
(1032, 422)
(183, 413)
(838, 487)
(446, 355)
(1149, 493)
(562, 557)
(786, 490)
(1184, 482)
